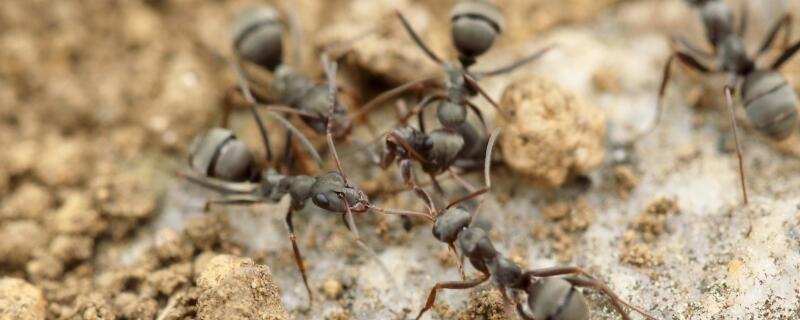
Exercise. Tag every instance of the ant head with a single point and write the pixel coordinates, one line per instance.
(218, 154)
(258, 36)
(449, 223)
(555, 298)
(475, 25)
(329, 192)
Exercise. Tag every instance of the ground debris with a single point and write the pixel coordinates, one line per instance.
(639, 240)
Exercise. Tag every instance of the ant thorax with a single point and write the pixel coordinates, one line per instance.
(733, 55)
(289, 85)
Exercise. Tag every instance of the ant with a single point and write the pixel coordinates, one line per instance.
(767, 97)
(475, 25)
(257, 39)
(548, 297)
(225, 165)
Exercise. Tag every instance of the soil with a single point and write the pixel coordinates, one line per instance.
(99, 101)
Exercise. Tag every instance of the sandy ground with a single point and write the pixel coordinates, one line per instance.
(99, 101)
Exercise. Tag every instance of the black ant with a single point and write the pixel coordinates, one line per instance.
(548, 297)
(257, 39)
(767, 97)
(475, 25)
(225, 165)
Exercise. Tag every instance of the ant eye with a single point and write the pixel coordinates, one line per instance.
(321, 199)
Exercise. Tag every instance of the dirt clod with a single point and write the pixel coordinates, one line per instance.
(567, 219)
(20, 300)
(332, 288)
(626, 179)
(20, 240)
(237, 288)
(485, 304)
(638, 246)
(550, 134)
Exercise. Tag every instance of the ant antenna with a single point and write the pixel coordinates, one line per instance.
(252, 103)
(511, 67)
(486, 171)
(417, 39)
(731, 112)
(330, 72)
(248, 96)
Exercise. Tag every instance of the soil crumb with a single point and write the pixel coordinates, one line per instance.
(626, 180)
(550, 134)
(20, 300)
(332, 288)
(485, 304)
(566, 220)
(237, 288)
(639, 240)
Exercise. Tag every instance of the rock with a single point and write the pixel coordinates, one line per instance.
(63, 161)
(20, 300)
(72, 248)
(549, 134)
(19, 240)
(29, 200)
(332, 288)
(172, 246)
(77, 216)
(389, 52)
(237, 288)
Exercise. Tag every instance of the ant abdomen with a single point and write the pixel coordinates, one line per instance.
(771, 103)
(218, 154)
(718, 20)
(475, 25)
(556, 299)
(257, 36)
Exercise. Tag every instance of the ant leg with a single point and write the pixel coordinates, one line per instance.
(687, 60)
(438, 188)
(217, 185)
(784, 23)
(786, 55)
(417, 39)
(691, 47)
(459, 285)
(474, 84)
(731, 112)
(560, 271)
(406, 173)
(298, 259)
(487, 168)
(288, 154)
(459, 263)
(252, 102)
(330, 72)
(464, 183)
(233, 200)
(616, 301)
(392, 93)
(521, 62)
(478, 113)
